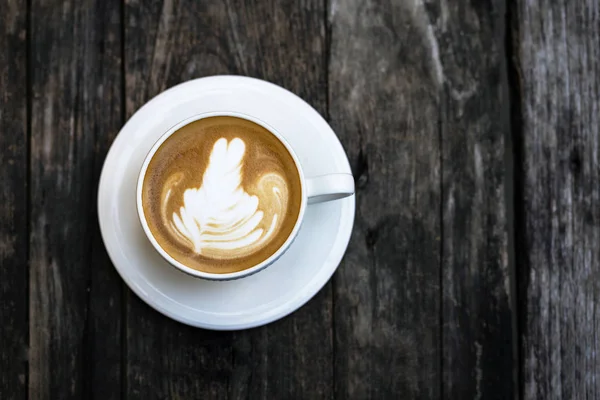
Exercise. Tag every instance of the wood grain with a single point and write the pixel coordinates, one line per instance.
(168, 42)
(75, 295)
(418, 94)
(384, 101)
(13, 200)
(474, 121)
(557, 47)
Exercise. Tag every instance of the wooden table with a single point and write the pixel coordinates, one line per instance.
(472, 130)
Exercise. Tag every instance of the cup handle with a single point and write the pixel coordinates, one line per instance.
(329, 187)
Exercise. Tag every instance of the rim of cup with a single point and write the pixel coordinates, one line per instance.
(229, 275)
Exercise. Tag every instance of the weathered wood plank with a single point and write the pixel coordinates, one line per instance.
(423, 296)
(13, 200)
(557, 48)
(75, 294)
(384, 99)
(476, 311)
(282, 41)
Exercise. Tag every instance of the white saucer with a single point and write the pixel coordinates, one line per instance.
(248, 302)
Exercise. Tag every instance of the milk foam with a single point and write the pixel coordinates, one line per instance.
(220, 219)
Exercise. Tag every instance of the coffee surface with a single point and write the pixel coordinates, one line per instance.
(221, 194)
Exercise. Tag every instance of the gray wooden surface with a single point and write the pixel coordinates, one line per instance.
(13, 200)
(557, 53)
(472, 131)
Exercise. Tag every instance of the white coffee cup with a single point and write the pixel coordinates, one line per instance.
(316, 189)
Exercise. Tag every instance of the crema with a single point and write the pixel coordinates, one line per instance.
(221, 194)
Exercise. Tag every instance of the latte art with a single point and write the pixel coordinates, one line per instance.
(221, 194)
(220, 219)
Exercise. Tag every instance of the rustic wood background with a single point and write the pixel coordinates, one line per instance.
(472, 128)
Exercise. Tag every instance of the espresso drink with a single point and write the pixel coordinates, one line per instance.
(221, 194)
